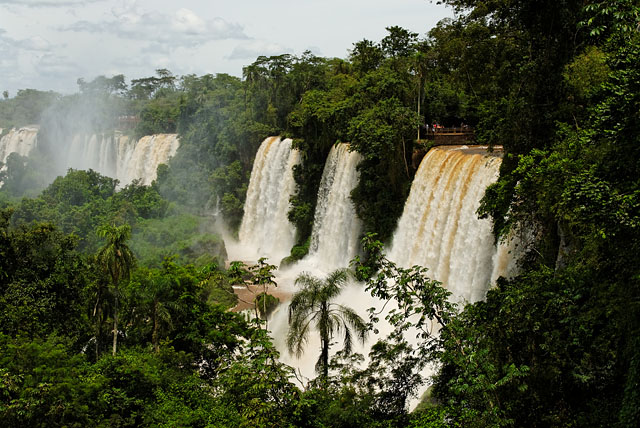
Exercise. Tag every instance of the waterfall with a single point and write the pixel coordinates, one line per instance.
(20, 141)
(93, 151)
(439, 227)
(334, 242)
(121, 157)
(141, 159)
(336, 228)
(111, 154)
(265, 230)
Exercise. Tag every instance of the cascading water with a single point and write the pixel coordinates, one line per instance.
(141, 160)
(93, 151)
(334, 242)
(20, 141)
(110, 154)
(120, 156)
(439, 227)
(265, 230)
(336, 228)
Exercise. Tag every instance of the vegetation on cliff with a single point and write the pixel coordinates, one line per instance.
(557, 84)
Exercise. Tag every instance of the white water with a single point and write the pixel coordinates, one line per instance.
(142, 160)
(439, 227)
(336, 227)
(121, 157)
(113, 154)
(334, 242)
(20, 141)
(353, 296)
(265, 230)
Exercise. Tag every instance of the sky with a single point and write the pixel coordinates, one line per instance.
(49, 44)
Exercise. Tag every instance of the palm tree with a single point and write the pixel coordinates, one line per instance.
(312, 307)
(98, 310)
(117, 260)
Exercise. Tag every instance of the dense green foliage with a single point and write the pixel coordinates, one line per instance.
(25, 108)
(556, 346)
(556, 84)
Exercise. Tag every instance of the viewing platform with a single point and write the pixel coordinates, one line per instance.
(448, 137)
(127, 122)
(461, 137)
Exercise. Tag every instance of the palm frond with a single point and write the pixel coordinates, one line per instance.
(312, 306)
(355, 321)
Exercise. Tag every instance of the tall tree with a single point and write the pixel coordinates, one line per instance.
(312, 305)
(116, 259)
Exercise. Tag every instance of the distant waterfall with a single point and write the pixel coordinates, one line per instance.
(141, 159)
(265, 230)
(20, 141)
(111, 154)
(93, 151)
(439, 227)
(121, 157)
(336, 228)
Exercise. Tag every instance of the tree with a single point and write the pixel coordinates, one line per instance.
(399, 42)
(116, 260)
(103, 85)
(42, 277)
(312, 305)
(262, 277)
(254, 387)
(43, 383)
(157, 299)
(366, 56)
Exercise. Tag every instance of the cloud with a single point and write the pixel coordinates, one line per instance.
(254, 48)
(35, 43)
(315, 50)
(57, 65)
(29, 63)
(48, 3)
(7, 51)
(185, 21)
(183, 28)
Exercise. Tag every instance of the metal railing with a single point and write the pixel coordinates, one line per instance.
(457, 131)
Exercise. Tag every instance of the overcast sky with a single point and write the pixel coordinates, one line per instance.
(49, 44)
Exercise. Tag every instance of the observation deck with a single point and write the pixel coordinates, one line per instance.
(448, 137)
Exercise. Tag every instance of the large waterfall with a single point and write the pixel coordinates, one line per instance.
(145, 156)
(439, 227)
(20, 141)
(111, 154)
(120, 156)
(336, 228)
(265, 230)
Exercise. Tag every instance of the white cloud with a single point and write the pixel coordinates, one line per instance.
(254, 48)
(35, 43)
(48, 3)
(7, 52)
(315, 50)
(185, 21)
(56, 65)
(134, 37)
(182, 28)
(27, 63)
